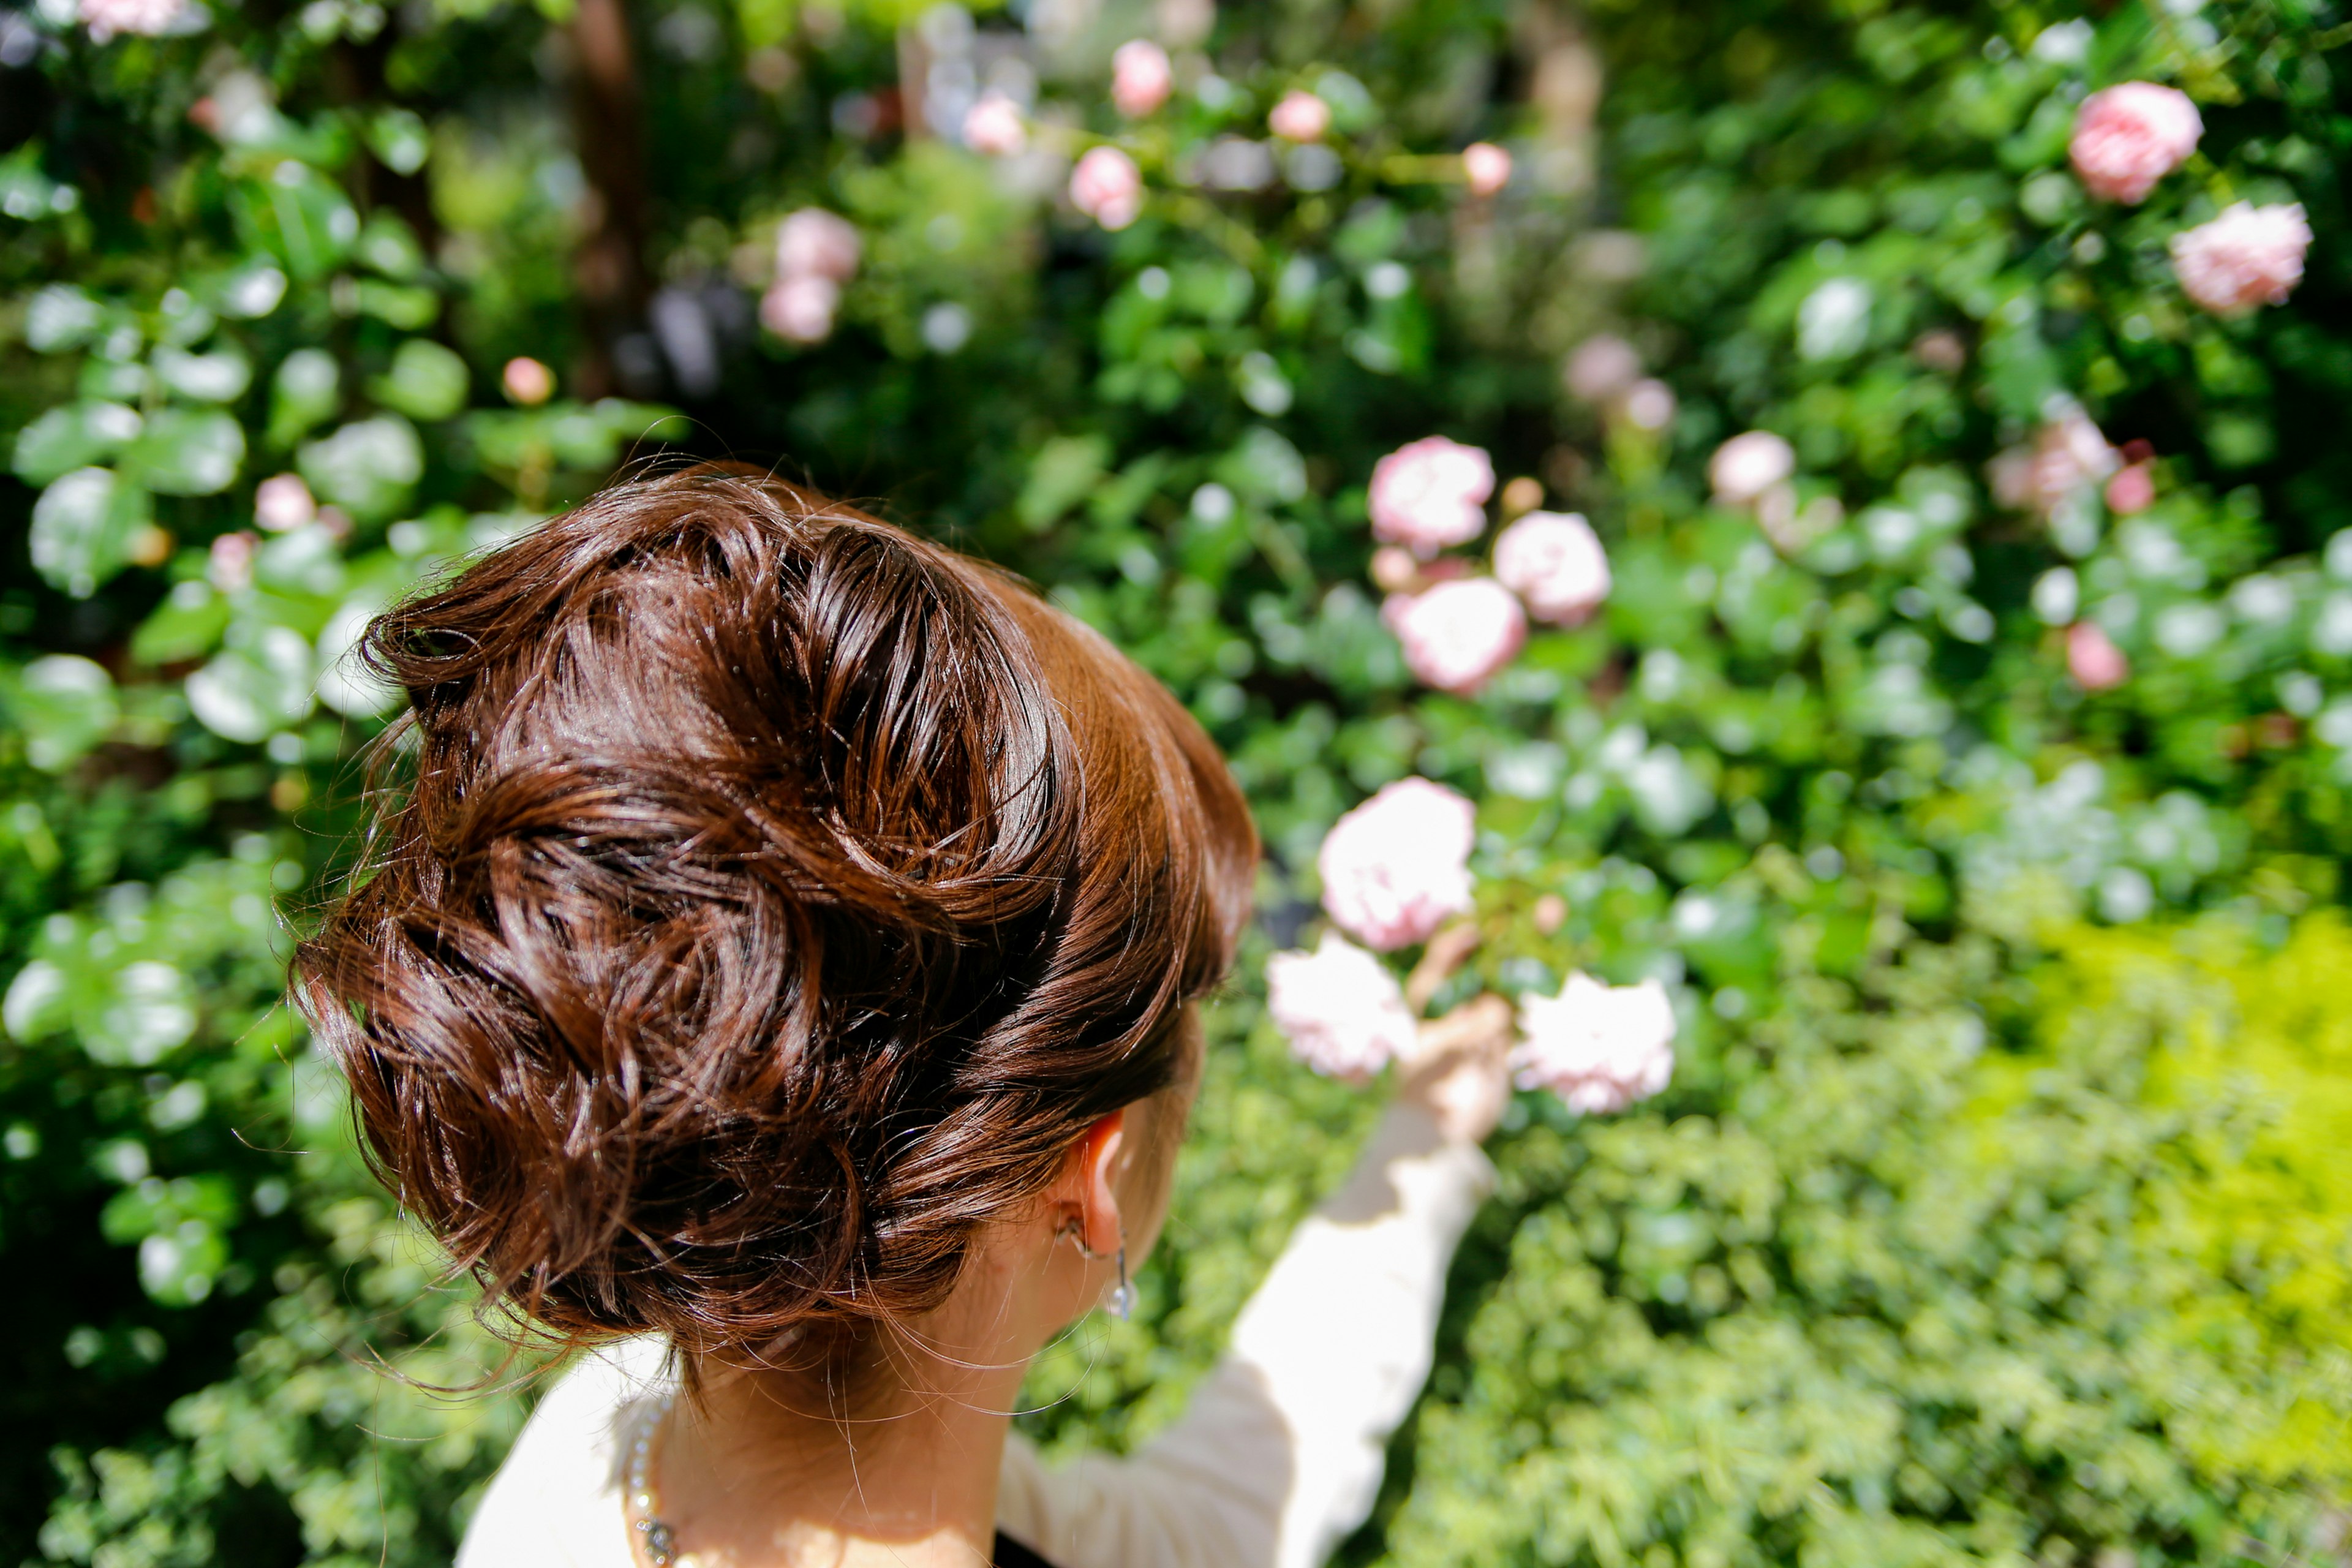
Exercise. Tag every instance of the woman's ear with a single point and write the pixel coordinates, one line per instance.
(1086, 1198)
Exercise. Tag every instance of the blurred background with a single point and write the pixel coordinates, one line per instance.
(1967, 750)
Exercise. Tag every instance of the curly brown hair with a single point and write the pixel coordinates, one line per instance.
(759, 899)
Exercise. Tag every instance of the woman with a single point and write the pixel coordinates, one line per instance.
(774, 974)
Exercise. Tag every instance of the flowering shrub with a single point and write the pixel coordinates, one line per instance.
(1918, 587)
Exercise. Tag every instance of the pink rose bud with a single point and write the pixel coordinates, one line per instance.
(1430, 493)
(1398, 867)
(1649, 405)
(1339, 1008)
(1300, 116)
(1395, 570)
(2092, 659)
(2132, 490)
(104, 18)
(1140, 78)
(1485, 168)
(1456, 635)
(2129, 137)
(1743, 468)
(283, 503)
(799, 307)
(1599, 1047)
(814, 243)
(1602, 368)
(527, 381)
(1108, 187)
(1554, 562)
(994, 126)
(2247, 258)
(229, 566)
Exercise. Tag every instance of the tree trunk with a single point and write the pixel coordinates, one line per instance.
(609, 131)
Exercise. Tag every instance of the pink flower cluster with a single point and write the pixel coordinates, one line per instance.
(2092, 659)
(1599, 1047)
(1554, 563)
(105, 18)
(1339, 1008)
(2068, 455)
(2128, 137)
(1457, 632)
(1397, 867)
(817, 253)
(1430, 493)
(1485, 168)
(2247, 258)
(1140, 78)
(283, 503)
(1300, 116)
(994, 126)
(1746, 467)
(1108, 187)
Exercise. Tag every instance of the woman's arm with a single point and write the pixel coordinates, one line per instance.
(1279, 1454)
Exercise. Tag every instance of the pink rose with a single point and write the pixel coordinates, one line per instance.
(1648, 405)
(527, 381)
(1747, 466)
(1108, 187)
(2247, 258)
(2092, 659)
(2129, 137)
(2132, 490)
(1339, 1008)
(229, 566)
(814, 243)
(1140, 78)
(799, 307)
(104, 18)
(1599, 1047)
(1457, 634)
(283, 503)
(1398, 867)
(2068, 455)
(1485, 168)
(994, 126)
(1601, 367)
(1554, 562)
(1430, 493)
(1300, 116)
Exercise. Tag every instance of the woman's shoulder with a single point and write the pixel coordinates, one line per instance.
(557, 1502)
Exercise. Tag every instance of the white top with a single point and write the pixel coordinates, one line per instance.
(1275, 1459)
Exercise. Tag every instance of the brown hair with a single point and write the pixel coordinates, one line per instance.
(763, 899)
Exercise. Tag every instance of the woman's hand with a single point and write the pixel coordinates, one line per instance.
(1460, 1074)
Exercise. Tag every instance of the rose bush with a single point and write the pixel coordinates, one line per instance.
(1930, 741)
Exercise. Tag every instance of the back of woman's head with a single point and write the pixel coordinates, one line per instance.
(762, 900)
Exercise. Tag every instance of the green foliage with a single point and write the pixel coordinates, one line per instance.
(1992, 1215)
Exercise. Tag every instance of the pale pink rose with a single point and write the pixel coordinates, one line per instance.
(1393, 569)
(1599, 1047)
(1430, 493)
(1140, 78)
(283, 503)
(2092, 659)
(1398, 867)
(527, 381)
(1649, 405)
(1108, 187)
(2129, 137)
(1601, 367)
(1456, 635)
(1339, 1008)
(2132, 490)
(2247, 258)
(1300, 116)
(814, 243)
(2068, 455)
(1485, 168)
(230, 566)
(994, 126)
(1554, 562)
(799, 307)
(104, 18)
(1743, 468)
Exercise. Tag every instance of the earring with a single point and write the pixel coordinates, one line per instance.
(1122, 1295)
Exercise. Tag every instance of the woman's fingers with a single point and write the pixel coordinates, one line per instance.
(1461, 1072)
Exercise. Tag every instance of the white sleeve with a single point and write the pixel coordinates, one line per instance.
(1278, 1454)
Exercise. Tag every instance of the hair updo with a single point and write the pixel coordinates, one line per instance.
(760, 899)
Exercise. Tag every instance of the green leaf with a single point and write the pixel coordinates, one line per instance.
(64, 705)
(185, 453)
(220, 376)
(409, 306)
(305, 392)
(367, 467)
(136, 1016)
(73, 436)
(37, 1002)
(297, 215)
(187, 624)
(248, 693)
(387, 245)
(61, 317)
(82, 528)
(398, 138)
(426, 381)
